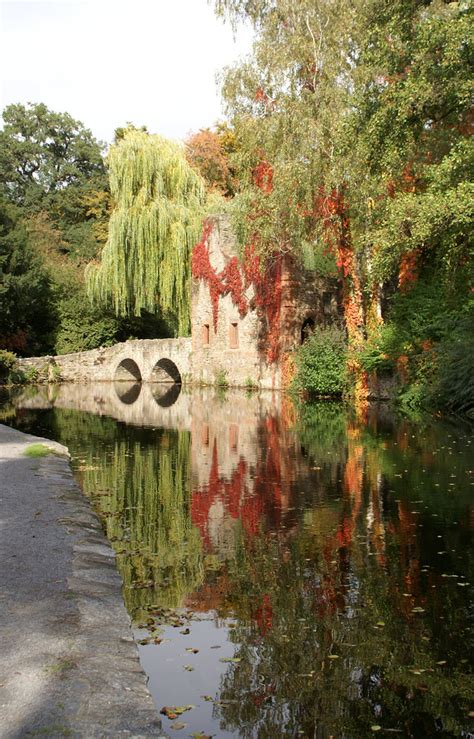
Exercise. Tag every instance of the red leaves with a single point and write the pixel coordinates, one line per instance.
(263, 176)
(235, 279)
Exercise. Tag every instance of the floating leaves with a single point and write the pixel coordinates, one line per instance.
(173, 712)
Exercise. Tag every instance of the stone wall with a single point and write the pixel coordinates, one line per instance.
(308, 300)
(231, 348)
(234, 347)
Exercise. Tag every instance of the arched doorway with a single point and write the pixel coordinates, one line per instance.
(165, 371)
(307, 328)
(128, 371)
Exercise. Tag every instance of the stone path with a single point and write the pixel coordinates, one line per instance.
(68, 662)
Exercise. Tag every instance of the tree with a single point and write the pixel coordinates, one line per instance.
(51, 162)
(158, 199)
(353, 126)
(208, 152)
(24, 286)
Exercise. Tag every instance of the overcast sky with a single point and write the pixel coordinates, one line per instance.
(106, 62)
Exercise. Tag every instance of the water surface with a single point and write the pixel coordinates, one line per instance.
(289, 573)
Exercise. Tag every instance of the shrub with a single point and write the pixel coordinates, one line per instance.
(321, 363)
(221, 379)
(8, 364)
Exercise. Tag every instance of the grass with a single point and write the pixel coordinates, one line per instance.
(38, 450)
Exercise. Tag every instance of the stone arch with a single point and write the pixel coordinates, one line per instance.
(128, 371)
(128, 391)
(166, 371)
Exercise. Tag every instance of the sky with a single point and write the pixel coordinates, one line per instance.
(109, 62)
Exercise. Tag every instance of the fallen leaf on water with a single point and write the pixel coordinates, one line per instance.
(207, 698)
(185, 631)
(333, 656)
(188, 668)
(216, 646)
(201, 736)
(173, 712)
(178, 725)
(230, 659)
(192, 649)
(376, 727)
(380, 623)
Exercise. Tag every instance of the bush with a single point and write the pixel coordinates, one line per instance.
(321, 363)
(8, 363)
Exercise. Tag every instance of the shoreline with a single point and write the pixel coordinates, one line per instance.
(69, 665)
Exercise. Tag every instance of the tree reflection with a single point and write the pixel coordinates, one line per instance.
(342, 551)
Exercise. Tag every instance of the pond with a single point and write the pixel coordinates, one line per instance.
(289, 572)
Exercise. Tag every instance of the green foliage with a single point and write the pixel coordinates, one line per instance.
(54, 205)
(80, 326)
(153, 228)
(453, 385)
(321, 363)
(8, 363)
(51, 162)
(25, 289)
(31, 375)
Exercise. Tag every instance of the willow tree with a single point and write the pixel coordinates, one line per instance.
(155, 223)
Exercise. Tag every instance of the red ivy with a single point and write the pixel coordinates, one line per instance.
(233, 280)
(408, 270)
(263, 176)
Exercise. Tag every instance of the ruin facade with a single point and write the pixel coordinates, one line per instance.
(234, 348)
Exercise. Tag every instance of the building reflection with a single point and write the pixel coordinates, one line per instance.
(328, 543)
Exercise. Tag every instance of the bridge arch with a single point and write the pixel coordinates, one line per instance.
(128, 371)
(165, 371)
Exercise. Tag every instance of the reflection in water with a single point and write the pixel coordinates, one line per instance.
(333, 559)
(127, 392)
(166, 395)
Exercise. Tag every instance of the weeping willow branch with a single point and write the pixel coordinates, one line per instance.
(156, 222)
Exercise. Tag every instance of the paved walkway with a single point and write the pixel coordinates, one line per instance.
(68, 662)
